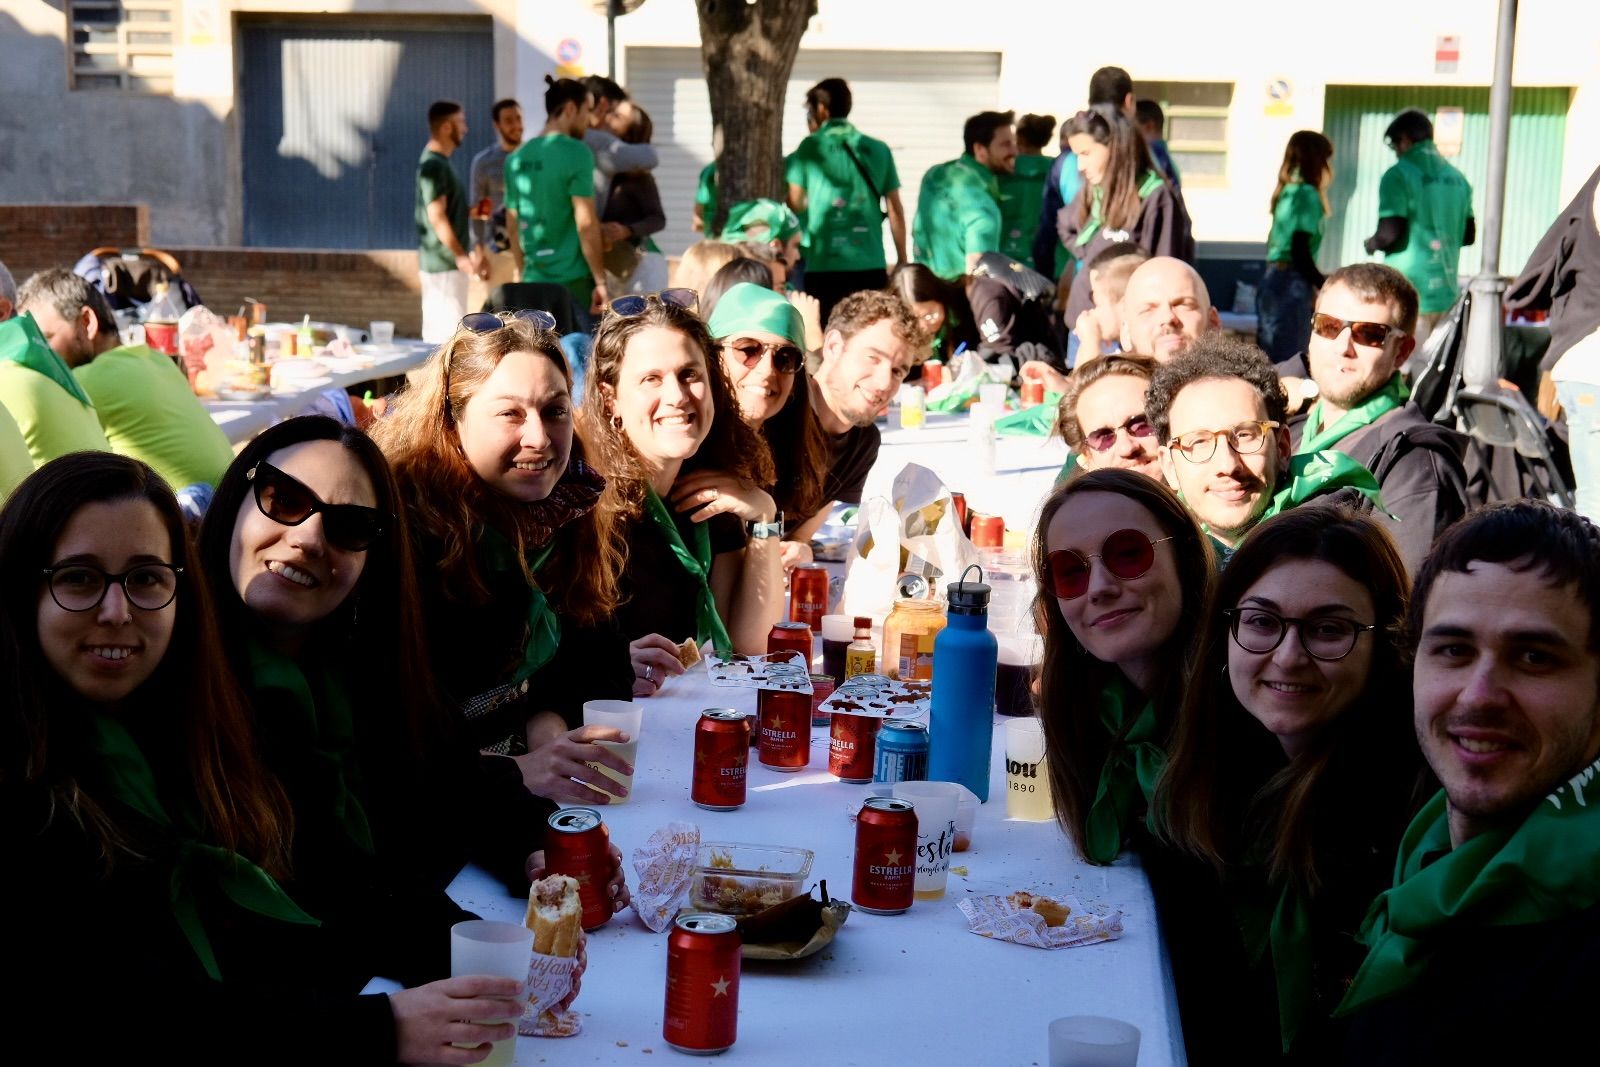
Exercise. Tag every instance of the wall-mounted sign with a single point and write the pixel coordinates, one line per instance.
(1449, 126)
(1280, 98)
(569, 50)
(1446, 53)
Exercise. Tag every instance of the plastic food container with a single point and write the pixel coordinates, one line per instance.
(739, 879)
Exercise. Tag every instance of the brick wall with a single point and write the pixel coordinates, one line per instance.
(36, 236)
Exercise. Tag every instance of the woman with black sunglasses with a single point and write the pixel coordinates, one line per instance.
(142, 835)
(1293, 772)
(517, 586)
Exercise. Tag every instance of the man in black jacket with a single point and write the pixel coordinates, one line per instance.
(1361, 336)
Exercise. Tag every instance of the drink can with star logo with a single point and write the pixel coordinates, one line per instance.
(702, 1004)
(851, 746)
(721, 757)
(785, 743)
(886, 856)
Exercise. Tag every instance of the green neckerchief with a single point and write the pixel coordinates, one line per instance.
(22, 342)
(1313, 473)
(1546, 867)
(133, 784)
(323, 707)
(708, 624)
(1035, 421)
(499, 563)
(1151, 182)
(1131, 769)
(1317, 436)
(1275, 923)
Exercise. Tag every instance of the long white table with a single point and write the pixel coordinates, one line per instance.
(243, 419)
(902, 989)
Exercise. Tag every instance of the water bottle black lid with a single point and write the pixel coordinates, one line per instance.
(969, 598)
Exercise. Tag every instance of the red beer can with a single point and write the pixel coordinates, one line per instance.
(721, 757)
(851, 743)
(821, 690)
(702, 1004)
(808, 594)
(886, 856)
(785, 729)
(1032, 393)
(988, 531)
(960, 501)
(577, 846)
(791, 637)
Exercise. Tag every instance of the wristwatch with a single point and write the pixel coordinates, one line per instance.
(760, 531)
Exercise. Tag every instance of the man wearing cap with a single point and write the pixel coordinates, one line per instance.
(837, 179)
(958, 205)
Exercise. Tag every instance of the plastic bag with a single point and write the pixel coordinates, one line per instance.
(916, 530)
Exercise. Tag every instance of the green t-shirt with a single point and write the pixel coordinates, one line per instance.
(542, 177)
(53, 421)
(958, 212)
(149, 412)
(1021, 200)
(1299, 208)
(1436, 202)
(705, 190)
(843, 220)
(15, 461)
(436, 178)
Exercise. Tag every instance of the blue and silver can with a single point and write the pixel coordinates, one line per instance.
(902, 752)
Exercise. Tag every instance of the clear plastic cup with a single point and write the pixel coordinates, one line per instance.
(382, 332)
(622, 715)
(499, 950)
(936, 804)
(1093, 1041)
(1027, 773)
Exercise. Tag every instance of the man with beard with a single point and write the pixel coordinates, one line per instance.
(1487, 948)
(1165, 309)
(1361, 335)
(958, 206)
(441, 217)
(1102, 415)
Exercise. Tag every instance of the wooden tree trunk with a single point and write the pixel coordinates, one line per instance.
(748, 52)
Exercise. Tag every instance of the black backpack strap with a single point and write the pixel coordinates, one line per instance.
(872, 186)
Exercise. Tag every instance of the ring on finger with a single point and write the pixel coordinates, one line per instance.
(649, 671)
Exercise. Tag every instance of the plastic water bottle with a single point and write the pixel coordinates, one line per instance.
(961, 713)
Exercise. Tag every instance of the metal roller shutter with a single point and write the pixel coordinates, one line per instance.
(913, 101)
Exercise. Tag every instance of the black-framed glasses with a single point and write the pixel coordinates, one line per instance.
(82, 586)
(1127, 554)
(1369, 334)
(1102, 439)
(635, 303)
(1327, 637)
(490, 321)
(289, 502)
(786, 358)
(1246, 439)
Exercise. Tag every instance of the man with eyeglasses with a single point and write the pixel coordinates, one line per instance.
(1102, 416)
(1361, 337)
(1220, 414)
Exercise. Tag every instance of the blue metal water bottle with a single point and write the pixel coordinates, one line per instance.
(961, 717)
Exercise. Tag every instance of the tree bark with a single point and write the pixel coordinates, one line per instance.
(748, 50)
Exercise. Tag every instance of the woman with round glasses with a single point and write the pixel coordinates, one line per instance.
(762, 337)
(1123, 572)
(517, 586)
(683, 503)
(1294, 769)
(142, 836)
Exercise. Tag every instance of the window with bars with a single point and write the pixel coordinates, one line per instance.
(1196, 127)
(123, 44)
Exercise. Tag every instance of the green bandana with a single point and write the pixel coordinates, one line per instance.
(1276, 925)
(1545, 867)
(500, 569)
(325, 717)
(698, 563)
(22, 342)
(1314, 473)
(748, 307)
(1318, 437)
(770, 221)
(1036, 421)
(133, 784)
(1152, 181)
(1130, 772)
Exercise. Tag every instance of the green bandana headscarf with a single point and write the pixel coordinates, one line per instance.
(774, 221)
(1318, 437)
(325, 715)
(1545, 867)
(748, 307)
(22, 342)
(1130, 772)
(498, 563)
(708, 624)
(133, 784)
(1314, 473)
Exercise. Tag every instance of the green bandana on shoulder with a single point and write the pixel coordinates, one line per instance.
(23, 343)
(1128, 775)
(1314, 473)
(499, 561)
(708, 625)
(1318, 437)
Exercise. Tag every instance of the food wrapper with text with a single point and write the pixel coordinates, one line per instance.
(1041, 922)
(555, 915)
(665, 866)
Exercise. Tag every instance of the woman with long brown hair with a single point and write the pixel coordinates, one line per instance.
(1300, 210)
(518, 586)
(1123, 198)
(1293, 771)
(1123, 573)
(683, 503)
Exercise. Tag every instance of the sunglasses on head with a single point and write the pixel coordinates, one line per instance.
(635, 303)
(1370, 334)
(489, 321)
(1127, 554)
(289, 502)
(786, 359)
(1102, 439)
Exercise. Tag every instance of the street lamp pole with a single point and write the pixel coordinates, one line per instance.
(1481, 365)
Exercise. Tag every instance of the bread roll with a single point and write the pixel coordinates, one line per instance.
(555, 915)
(689, 652)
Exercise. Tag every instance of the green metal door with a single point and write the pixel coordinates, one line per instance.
(1355, 118)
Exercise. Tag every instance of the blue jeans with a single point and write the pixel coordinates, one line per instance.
(1284, 303)
(1581, 402)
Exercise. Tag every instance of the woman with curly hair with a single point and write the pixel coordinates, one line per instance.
(683, 503)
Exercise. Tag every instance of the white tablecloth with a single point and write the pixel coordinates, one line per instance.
(243, 419)
(890, 990)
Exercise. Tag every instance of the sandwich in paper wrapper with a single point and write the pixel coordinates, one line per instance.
(1039, 921)
(555, 915)
(665, 866)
